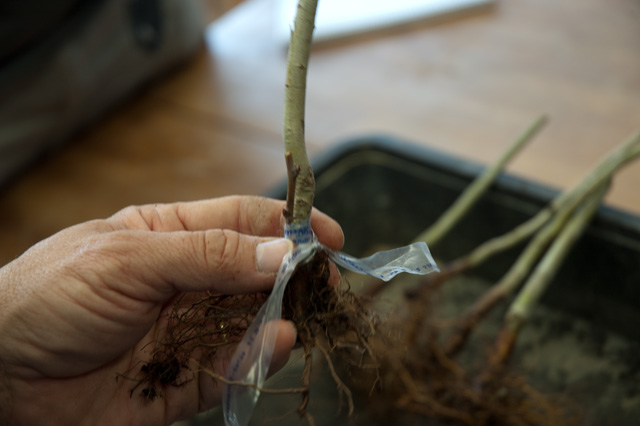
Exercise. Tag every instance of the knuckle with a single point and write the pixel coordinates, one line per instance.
(103, 247)
(222, 249)
(153, 217)
(103, 253)
(122, 212)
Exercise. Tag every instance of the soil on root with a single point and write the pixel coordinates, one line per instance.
(418, 380)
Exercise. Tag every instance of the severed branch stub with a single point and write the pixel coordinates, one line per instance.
(292, 174)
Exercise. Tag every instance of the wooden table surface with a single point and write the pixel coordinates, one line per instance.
(467, 85)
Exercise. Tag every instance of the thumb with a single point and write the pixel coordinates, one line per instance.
(218, 260)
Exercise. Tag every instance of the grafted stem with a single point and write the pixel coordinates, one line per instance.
(294, 112)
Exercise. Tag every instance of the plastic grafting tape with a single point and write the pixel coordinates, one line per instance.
(413, 259)
(299, 232)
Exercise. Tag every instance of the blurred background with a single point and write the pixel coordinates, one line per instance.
(107, 103)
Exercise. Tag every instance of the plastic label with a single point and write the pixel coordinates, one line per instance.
(250, 363)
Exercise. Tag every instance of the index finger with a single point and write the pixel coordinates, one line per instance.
(252, 215)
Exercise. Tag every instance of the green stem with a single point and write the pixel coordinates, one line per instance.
(552, 219)
(521, 268)
(473, 192)
(548, 267)
(568, 199)
(294, 113)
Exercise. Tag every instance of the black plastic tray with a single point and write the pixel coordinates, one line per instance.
(384, 191)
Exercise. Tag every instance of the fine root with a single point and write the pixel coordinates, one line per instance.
(330, 319)
(200, 323)
(419, 380)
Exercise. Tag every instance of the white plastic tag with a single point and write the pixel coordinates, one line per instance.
(250, 363)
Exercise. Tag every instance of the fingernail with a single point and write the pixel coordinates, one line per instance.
(269, 254)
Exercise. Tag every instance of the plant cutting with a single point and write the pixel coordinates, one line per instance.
(326, 317)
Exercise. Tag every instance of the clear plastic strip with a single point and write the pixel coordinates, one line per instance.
(250, 363)
(413, 259)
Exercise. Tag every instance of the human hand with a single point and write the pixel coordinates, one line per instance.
(77, 308)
